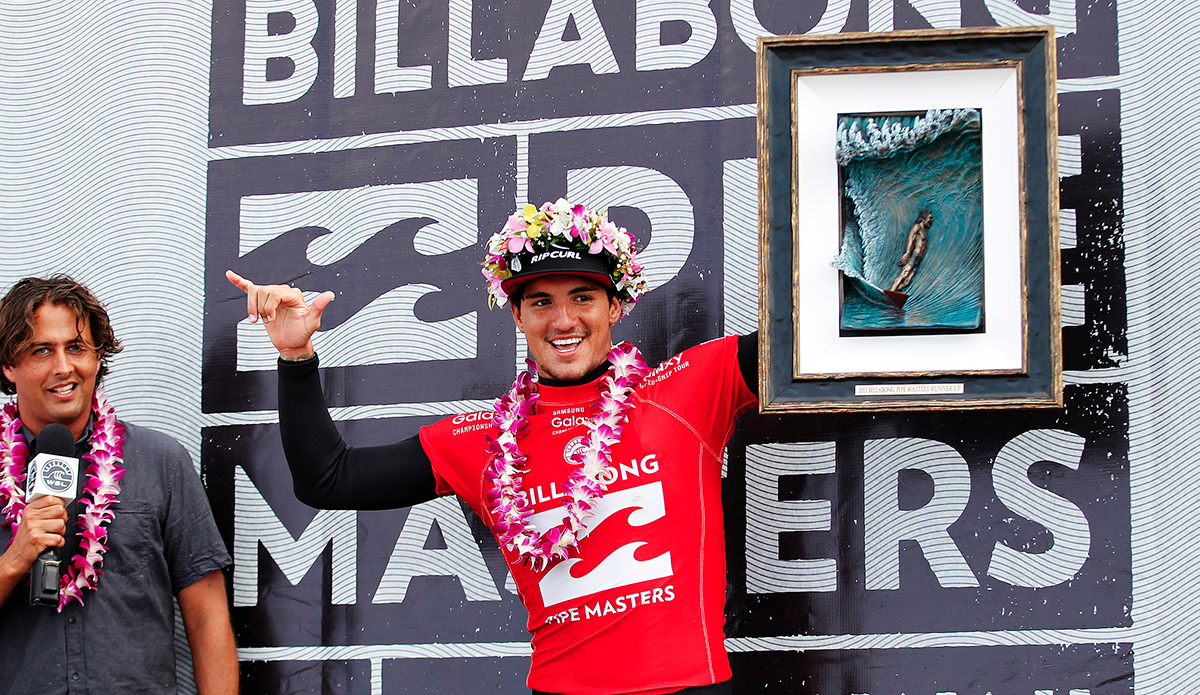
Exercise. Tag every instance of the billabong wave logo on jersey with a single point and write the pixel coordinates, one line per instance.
(646, 504)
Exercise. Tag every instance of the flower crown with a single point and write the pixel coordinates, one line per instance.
(532, 230)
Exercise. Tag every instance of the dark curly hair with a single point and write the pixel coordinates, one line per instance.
(19, 308)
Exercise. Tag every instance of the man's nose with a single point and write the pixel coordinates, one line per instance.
(564, 317)
(62, 363)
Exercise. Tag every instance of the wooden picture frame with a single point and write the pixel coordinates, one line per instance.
(861, 136)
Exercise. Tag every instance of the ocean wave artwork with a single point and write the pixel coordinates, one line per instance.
(912, 222)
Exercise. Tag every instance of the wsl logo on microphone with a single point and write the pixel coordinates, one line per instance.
(57, 475)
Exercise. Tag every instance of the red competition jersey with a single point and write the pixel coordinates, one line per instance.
(641, 609)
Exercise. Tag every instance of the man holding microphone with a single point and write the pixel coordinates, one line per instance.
(138, 532)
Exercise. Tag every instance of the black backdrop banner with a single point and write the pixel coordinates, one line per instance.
(370, 147)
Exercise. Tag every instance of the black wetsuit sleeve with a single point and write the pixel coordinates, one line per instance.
(328, 474)
(747, 351)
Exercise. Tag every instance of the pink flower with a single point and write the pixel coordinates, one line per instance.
(68, 592)
(606, 240)
(517, 244)
(516, 223)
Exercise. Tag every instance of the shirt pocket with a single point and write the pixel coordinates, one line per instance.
(131, 539)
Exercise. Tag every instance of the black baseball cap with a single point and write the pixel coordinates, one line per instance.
(559, 259)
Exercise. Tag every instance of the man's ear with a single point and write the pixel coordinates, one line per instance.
(614, 311)
(516, 312)
(8, 373)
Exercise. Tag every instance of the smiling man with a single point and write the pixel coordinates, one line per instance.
(567, 322)
(599, 477)
(140, 533)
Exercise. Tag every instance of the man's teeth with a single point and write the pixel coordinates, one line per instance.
(64, 390)
(566, 342)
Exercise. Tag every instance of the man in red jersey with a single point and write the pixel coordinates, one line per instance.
(601, 478)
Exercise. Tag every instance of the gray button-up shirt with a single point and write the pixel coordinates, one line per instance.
(122, 639)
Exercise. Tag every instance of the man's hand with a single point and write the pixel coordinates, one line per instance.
(42, 526)
(289, 320)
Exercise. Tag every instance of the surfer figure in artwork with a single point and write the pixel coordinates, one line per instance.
(914, 250)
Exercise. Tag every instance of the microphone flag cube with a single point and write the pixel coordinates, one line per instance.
(51, 474)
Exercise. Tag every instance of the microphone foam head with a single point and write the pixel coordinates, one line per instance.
(55, 438)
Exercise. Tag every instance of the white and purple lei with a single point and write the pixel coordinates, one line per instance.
(103, 478)
(506, 499)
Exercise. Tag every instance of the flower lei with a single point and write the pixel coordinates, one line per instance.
(584, 488)
(534, 229)
(104, 473)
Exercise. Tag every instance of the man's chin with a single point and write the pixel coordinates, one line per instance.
(564, 372)
(559, 375)
(68, 413)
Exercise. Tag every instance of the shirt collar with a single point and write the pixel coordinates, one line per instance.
(80, 444)
(588, 378)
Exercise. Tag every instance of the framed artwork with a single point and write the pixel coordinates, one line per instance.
(908, 220)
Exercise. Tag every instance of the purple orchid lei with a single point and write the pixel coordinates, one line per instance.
(506, 500)
(104, 473)
(532, 229)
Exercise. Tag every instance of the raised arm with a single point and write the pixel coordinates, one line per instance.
(326, 473)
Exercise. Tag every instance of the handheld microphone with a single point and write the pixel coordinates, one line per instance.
(51, 472)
